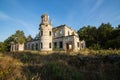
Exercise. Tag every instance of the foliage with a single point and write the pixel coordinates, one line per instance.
(29, 38)
(105, 36)
(60, 71)
(37, 36)
(10, 68)
(2, 47)
(97, 65)
(18, 37)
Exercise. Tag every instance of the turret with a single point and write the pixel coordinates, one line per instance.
(45, 33)
(44, 19)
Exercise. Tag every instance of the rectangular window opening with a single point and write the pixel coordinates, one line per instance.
(41, 33)
(41, 45)
(49, 45)
(77, 44)
(61, 44)
(55, 44)
(50, 33)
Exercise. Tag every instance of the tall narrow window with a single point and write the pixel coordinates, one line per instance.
(55, 44)
(77, 44)
(49, 33)
(16, 47)
(61, 44)
(32, 46)
(12, 47)
(25, 47)
(61, 32)
(36, 46)
(55, 34)
(49, 45)
(28, 46)
(41, 33)
(41, 45)
(68, 33)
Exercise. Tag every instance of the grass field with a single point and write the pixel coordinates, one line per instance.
(58, 65)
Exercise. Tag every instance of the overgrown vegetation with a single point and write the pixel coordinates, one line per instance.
(18, 37)
(3, 48)
(86, 64)
(103, 37)
(83, 65)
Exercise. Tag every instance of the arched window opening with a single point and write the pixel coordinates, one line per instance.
(49, 45)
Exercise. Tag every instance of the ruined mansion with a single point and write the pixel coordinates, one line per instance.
(57, 38)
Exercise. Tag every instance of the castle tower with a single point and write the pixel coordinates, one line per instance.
(45, 33)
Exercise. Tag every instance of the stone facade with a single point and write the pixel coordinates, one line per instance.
(58, 38)
(17, 47)
(32, 45)
(45, 33)
(65, 38)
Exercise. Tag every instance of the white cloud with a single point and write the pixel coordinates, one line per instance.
(29, 27)
(96, 6)
(92, 16)
(3, 16)
(25, 25)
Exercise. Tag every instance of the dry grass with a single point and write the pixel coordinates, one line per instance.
(10, 68)
(60, 65)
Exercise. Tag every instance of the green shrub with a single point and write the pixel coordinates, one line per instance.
(60, 71)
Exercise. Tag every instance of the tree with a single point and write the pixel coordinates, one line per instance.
(89, 34)
(18, 37)
(37, 36)
(104, 33)
(29, 38)
(8, 41)
(114, 41)
(105, 36)
(2, 47)
(118, 26)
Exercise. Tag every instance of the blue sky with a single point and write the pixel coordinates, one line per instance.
(25, 14)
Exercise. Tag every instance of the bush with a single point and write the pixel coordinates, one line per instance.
(95, 47)
(3, 48)
(60, 71)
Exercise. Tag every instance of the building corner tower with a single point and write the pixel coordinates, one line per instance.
(45, 28)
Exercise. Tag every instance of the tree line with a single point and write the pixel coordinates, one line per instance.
(103, 37)
(17, 37)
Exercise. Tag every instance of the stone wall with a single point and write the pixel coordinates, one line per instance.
(32, 45)
(61, 38)
(17, 47)
(45, 34)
